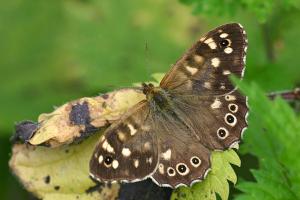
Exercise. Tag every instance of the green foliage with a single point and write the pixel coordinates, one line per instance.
(261, 9)
(273, 137)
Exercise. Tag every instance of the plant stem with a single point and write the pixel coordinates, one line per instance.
(290, 95)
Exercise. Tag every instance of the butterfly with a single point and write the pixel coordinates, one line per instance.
(195, 110)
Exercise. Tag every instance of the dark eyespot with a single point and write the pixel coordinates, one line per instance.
(171, 171)
(108, 160)
(230, 119)
(195, 161)
(221, 132)
(232, 107)
(181, 168)
(224, 43)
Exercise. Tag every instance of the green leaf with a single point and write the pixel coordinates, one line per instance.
(273, 137)
(216, 181)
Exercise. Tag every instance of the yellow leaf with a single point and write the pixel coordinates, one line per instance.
(59, 173)
(56, 128)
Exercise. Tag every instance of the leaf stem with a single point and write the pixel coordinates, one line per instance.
(290, 95)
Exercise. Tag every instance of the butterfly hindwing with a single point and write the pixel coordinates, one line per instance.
(127, 151)
(182, 161)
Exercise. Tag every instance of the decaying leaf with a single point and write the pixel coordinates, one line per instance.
(59, 173)
(215, 182)
(80, 118)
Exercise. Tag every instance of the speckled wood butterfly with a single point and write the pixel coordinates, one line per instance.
(196, 109)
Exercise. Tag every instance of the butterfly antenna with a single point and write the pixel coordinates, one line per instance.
(147, 63)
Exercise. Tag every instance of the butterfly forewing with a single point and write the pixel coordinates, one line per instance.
(128, 149)
(204, 69)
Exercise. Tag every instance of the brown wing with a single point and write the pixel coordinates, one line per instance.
(128, 150)
(207, 112)
(204, 69)
(218, 121)
(202, 91)
(182, 159)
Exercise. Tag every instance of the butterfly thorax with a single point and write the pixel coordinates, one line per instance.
(157, 97)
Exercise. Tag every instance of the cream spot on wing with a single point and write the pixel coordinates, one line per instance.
(189, 84)
(100, 159)
(224, 35)
(209, 40)
(216, 104)
(192, 70)
(222, 87)
(215, 62)
(147, 146)
(226, 72)
(211, 43)
(198, 59)
(207, 85)
(102, 138)
(115, 164)
(121, 136)
(167, 155)
(230, 97)
(132, 129)
(145, 128)
(136, 163)
(110, 149)
(126, 152)
(161, 168)
(149, 160)
(202, 39)
(228, 50)
(104, 145)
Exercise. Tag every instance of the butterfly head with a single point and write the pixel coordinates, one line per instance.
(147, 88)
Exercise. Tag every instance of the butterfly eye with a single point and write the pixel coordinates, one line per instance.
(108, 160)
(222, 133)
(224, 43)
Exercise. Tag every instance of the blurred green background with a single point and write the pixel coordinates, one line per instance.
(54, 51)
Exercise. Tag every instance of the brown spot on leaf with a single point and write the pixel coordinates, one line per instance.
(47, 179)
(80, 114)
(24, 131)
